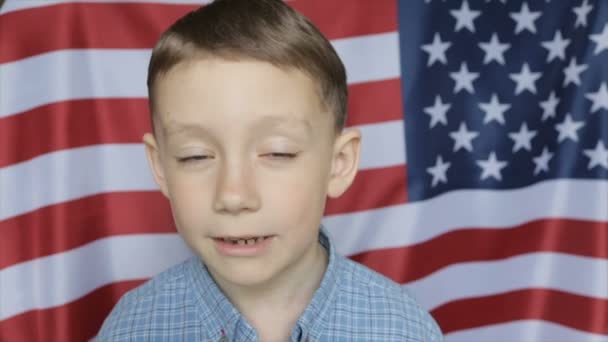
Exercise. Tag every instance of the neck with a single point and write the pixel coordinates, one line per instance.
(283, 297)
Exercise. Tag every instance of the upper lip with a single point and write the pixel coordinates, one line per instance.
(243, 237)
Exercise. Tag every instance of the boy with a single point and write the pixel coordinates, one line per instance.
(248, 102)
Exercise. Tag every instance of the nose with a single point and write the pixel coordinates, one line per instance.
(236, 191)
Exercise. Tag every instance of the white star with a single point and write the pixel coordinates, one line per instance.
(599, 98)
(436, 50)
(542, 161)
(464, 79)
(494, 50)
(439, 171)
(525, 80)
(438, 111)
(523, 138)
(581, 14)
(525, 19)
(550, 106)
(601, 39)
(463, 138)
(494, 110)
(573, 72)
(556, 47)
(464, 17)
(597, 156)
(568, 129)
(491, 167)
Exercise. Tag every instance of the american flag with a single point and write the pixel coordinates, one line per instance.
(497, 220)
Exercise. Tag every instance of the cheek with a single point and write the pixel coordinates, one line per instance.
(188, 200)
(298, 199)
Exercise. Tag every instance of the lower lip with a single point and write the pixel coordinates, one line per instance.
(245, 250)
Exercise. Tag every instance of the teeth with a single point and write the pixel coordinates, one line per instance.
(242, 242)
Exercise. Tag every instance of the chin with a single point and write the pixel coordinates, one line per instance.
(246, 276)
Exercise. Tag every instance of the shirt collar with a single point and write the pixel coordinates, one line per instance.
(220, 317)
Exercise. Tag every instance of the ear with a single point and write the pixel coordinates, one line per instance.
(345, 162)
(153, 155)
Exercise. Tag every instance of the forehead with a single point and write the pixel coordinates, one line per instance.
(215, 90)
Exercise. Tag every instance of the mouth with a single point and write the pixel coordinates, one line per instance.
(243, 241)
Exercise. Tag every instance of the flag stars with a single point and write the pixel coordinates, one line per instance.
(524, 19)
(438, 112)
(581, 13)
(601, 40)
(436, 50)
(439, 171)
(525, 80)
(494, 110)
(568, 129)
(494, 50)
(465, 17)
(491, 167)
(549, 106)
(557, 47)
(597, 156)
(464, 79)
(599, 98)
(463, 138)
(541, 162)
(523, 138)
(573, 72)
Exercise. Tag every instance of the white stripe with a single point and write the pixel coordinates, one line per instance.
(382, 144)
(61, 278)
(100, 73)
(16, 5)
(70, 174)
(371, 57)
(74, 173)
(569, 273)
(416, 222)
(70, 75)
(524, 331)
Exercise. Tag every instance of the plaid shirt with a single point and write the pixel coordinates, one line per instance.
(352, 303)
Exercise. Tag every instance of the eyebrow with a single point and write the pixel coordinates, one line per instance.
(173, 127)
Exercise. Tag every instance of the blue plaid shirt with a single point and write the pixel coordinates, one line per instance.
(353, 303)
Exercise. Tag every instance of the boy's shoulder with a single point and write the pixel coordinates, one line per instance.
(375, 301)
(146, 310)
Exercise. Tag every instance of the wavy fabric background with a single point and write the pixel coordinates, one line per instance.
(484, 172)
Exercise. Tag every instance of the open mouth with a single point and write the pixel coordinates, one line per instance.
(249, 241)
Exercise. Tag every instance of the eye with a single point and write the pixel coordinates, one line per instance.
(191, 159)
(280, 155)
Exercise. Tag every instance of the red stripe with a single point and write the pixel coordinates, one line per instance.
(373, 102)
(576, 237)
(78, 123)
(132, 26)
(578, 312)
(71, 224)
(371, 189)
(72, 124)
(67, 225)
(79, 320)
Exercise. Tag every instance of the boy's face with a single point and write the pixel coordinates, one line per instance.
(247, 154)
